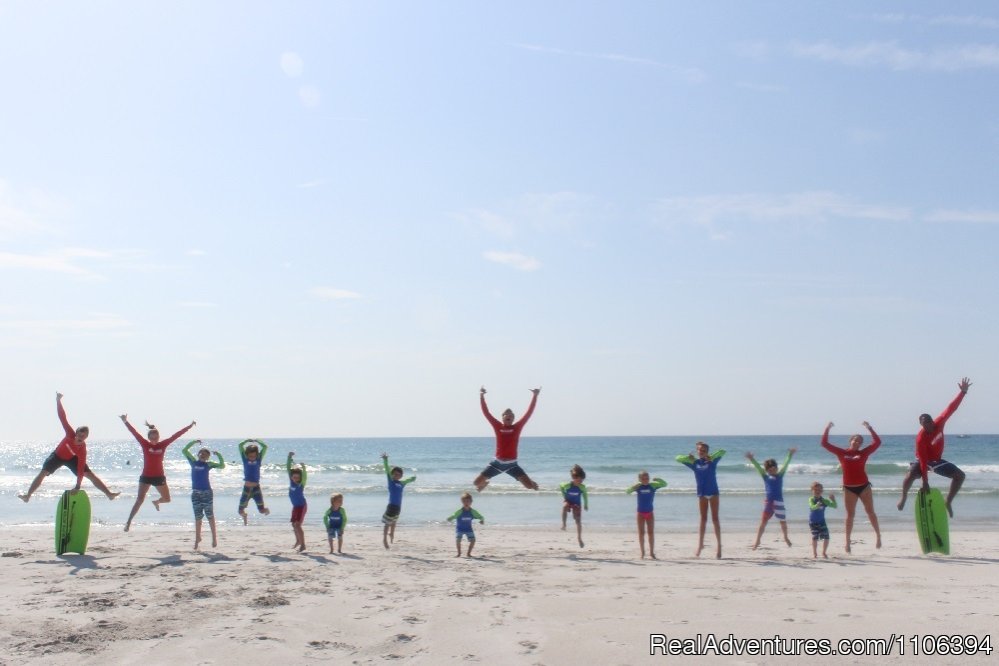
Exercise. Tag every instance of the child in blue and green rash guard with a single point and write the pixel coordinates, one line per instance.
(704, 466)
(817, 518)
(297, 478)
(575, 499)
(396, 484)
(646, 519)
(335, 520)
(773, 503)
(202, 497)
(253, 458)
(463, 518)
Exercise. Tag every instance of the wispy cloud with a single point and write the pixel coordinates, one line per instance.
(56, 328)
(333, 294)
(712, 211)
(545, 212)
(967, 216)
(23, 211)
(762, 87)
(58, 261)
(309, 96)
(292, 64)
(689, 74)
(889, 54)
(967, 21)
(516, 260)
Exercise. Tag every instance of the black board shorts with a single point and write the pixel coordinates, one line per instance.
(54, 462)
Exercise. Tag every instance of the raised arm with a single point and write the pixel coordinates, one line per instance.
(835, 450)
(530, 408)
(385, 464)
(263, 451)
(174, 437)
(187, 450)
(485, 408)
(718, 454)
(658, 483)
(686, 459)
(135, 433)
(875, 440)
(787, 461)
(749, 456)
(963, 387)
(220, 464)
(408, 481)
(61, 412)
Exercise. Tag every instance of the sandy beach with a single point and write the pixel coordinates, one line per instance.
(530, 596)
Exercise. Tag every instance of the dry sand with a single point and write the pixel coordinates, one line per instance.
(529, 597)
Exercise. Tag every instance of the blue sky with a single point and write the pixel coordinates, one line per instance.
(342, 218)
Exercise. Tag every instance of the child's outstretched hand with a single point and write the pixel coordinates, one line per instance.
(749, 455)
(793, 450)
(384, 456)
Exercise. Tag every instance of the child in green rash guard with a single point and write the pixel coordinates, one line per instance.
(335, 520)
(463, 518)
(575, 499)
(704, 466)
(396, 484)
(646, 520)
(202, 498)
(817, 518)
(297, 478)
(253, 458)
(773, 504)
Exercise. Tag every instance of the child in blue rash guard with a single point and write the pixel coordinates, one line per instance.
(253, 458)
(202, 498)
(817, 518)
(704, 466)
(335, 520)
(297, 478)
(773, 504)
(463, 518)
(646, 520)
(574, 498)
(396, 484)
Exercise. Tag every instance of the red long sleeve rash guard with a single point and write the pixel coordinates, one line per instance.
(507, 437)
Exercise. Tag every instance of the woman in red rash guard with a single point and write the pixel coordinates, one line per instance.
(71, 452)
(507, 439)
(152, 465)
(853, 460)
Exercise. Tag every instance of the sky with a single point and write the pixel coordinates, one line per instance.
(341, 219)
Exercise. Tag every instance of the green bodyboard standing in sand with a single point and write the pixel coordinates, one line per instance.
(931, 522)
(72, 523)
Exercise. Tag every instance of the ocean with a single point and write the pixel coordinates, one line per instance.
(445, 467)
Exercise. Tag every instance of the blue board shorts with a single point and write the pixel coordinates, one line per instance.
(498, 467)
(941, 467)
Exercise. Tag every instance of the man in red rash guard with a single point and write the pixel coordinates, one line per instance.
(71, 452)
(507, 439)
(929, 452)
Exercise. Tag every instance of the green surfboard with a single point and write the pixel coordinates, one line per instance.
(931, 522)
(72, 523)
